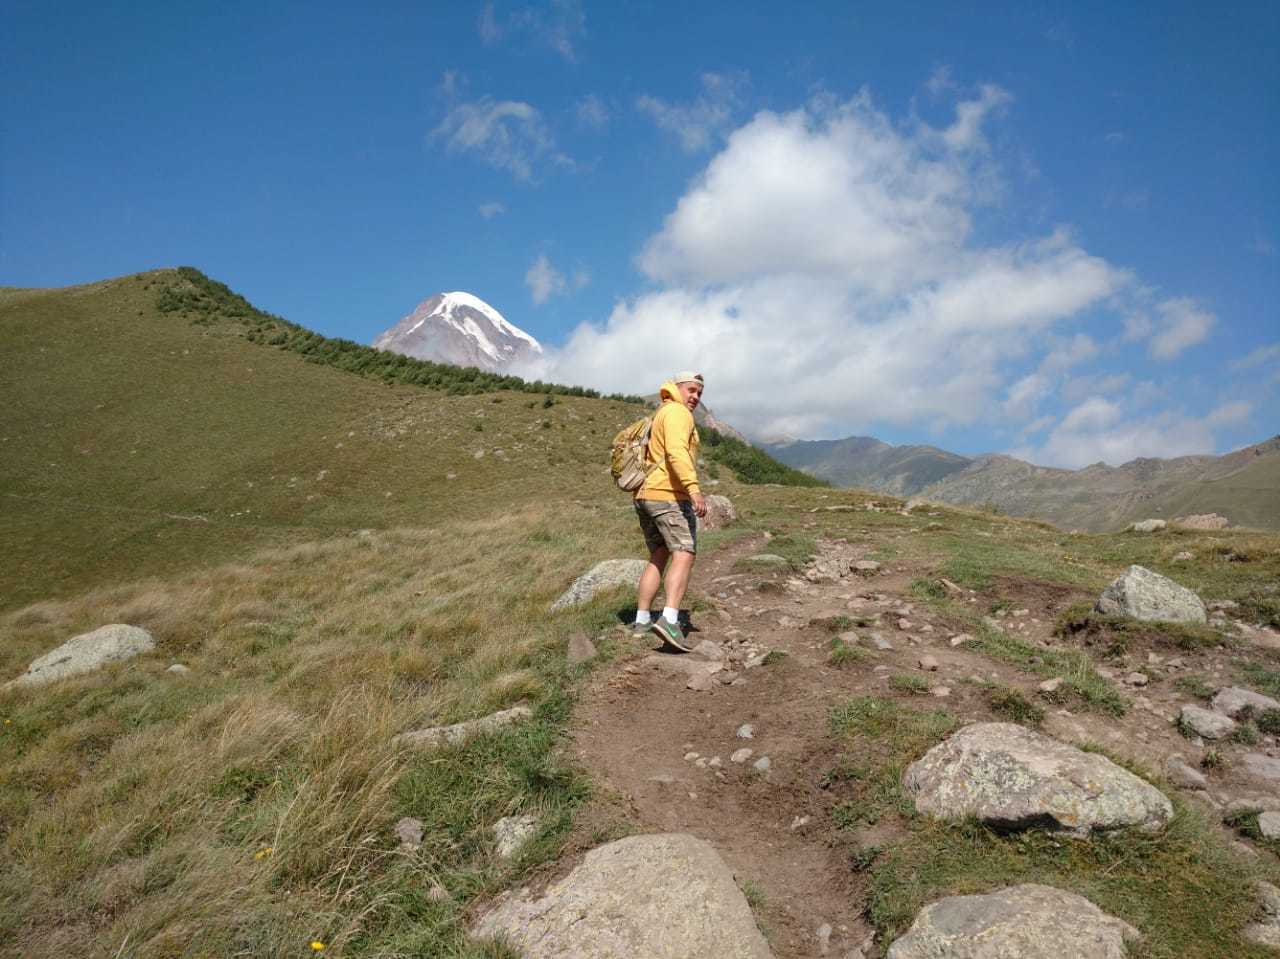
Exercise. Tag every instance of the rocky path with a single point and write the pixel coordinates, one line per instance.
(738, 756)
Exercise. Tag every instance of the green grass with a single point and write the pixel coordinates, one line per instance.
(1261, 678)
(1194, 685)
(1117, 635)
(1184, 890)
(1010, 703)
(842, 654)
(908, 683)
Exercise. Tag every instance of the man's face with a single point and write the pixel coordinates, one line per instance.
(690, 393)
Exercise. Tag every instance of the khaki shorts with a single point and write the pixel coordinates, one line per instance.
(673, 525)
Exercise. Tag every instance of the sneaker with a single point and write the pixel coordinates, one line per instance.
(671, 634)
(639, 629)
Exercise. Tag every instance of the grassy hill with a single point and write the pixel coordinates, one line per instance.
(159, 421)
(315, 537)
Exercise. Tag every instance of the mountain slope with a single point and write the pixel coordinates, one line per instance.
(461, 329)
(1244, 486)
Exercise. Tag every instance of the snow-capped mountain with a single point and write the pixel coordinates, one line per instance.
(461, 329)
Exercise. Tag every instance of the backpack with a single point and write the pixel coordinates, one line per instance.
(630, 450)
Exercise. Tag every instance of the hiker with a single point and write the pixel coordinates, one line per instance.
(668, 505)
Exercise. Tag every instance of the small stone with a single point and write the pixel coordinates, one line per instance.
(178, 669)
(942, 692)
(927, 663)
(409, 831)
(581, 649)
(1136, 679)
(746, 731)
(882, 644)
(904, 624)
(1051, 685)
(690, 756)
(741, 755)
(715, 762)
(761, 765)
(799, 822)
(1180, 774)
(1182, 556)
(960, 639)
(512, 832)
(824, 938)
(709, 650)
(701, 681)
(726, 677)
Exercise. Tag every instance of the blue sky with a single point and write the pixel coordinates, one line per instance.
(1046, 229)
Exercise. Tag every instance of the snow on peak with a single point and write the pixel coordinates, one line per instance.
(462, 329)
(448, 301)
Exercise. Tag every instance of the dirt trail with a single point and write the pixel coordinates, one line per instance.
(639, 727)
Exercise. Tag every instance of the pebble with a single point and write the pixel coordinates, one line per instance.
(942, 692)
(960, 639)
(762, 764)
(746, 731)
(1051, 685)
(1136, 679)
(928, 663)
(824, 938)
(741, 755)
(714, 762)
(178, 669)
(882, 643)
(799, 822)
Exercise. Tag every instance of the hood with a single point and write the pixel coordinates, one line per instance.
(669, 391)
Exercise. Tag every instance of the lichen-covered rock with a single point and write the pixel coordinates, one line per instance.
(667, 896)
(720, 513)
(605, 574)
(512, 832)
(1141, 594)
(460, 732)
(1206, 723)
(1202, 521)
(1148, 526)
(1013, 777)
(1029, 921)
(1233, 700)
(85, 653)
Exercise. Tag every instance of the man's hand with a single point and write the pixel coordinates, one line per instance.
(699, 504)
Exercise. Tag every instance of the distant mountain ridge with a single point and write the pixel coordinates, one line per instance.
(1243, 486)
(462, 329)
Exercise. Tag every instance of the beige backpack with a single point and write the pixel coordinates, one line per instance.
(629, 464)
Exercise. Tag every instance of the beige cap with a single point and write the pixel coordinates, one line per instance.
(687, 376)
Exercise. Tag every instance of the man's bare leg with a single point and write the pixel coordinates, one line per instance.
(677, 576)
(651, 579)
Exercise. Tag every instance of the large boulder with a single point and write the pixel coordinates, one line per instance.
(1141, 594)
(667, 896)
(720, 513)
(1029, 921)
(1012, 777)
(85, 653)
(604, 575)
(1233, 700)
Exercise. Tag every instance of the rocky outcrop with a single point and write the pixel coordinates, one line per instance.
(1029, 921)
(85, 653)
(460, 732)
(1205, 722)
(1141, 594)
(1148, 526)
(1232, 700)
(1202, 521)
(667, 895)
(1012, 777)
(604, 575)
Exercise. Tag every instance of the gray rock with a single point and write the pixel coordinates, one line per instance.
(604, 575)
(1202, 521)
(1206, 723)
(1148, 526)
(85, 653)
(673, 663)
(1142, 594)
(409, 832)
(927, 663)
(762, 765)
(866, 567)
(512, 832)
(1269, 825)
(741, 755)
(1029, 921)
(1008, 775)
(1137, 679)
(720, 513)
(1261, 766)
(1051, 685)
(581, 649)
(461, 732)
(178, 669)
(702, 680)
(662, 896)
(746, 731)
(1182, 775)
(1232, 699)
(708, 649)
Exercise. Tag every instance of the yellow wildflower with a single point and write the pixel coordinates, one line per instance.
(263, 853)
(317, 945)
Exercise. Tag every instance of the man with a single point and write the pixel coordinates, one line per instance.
(668, 505)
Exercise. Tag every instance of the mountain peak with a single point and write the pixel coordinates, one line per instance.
(462, 329)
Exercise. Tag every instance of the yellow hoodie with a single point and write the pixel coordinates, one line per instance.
(673, 445)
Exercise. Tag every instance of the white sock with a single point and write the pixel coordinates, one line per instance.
(670, 614)
(642, 617)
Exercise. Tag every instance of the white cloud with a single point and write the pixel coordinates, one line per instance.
(559, 25)
(544, 280)
(1269, 353)
(507, 134)
(1230, 414)
(1082, 387)
(491, 209)
(1183, 324)
(696, 124)
(822, 272)
(592, 112)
